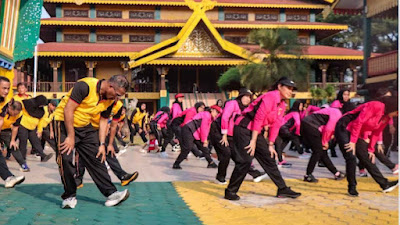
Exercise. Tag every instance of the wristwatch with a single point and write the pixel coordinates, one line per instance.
(102, 143)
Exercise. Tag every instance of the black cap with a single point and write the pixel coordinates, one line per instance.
(287, 82)
(244, 91)
(54, 102)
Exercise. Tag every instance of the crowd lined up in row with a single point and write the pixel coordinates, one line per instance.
(91, 116)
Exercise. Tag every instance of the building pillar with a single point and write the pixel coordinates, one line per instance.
(162, 72)
(20, 74)
(90, 65)
(324, 67)
(55, 65)
(355, 76)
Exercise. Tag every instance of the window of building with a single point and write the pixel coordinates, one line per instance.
(141, 15)
(109, 38)
(141, 38)
(303, 40)
(266, 17)
(236, 39)
(76, 13)
(236, 16)
(108, 14)
(297, 17)
(76, 37)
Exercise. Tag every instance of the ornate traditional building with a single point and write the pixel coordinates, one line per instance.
(170, 46)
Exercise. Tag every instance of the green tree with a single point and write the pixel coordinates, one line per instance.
(260, 76)
(384, 33)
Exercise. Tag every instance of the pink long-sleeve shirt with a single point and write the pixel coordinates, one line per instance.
(269, 114)
(228, 117)
(162, 119)
(308, 111)
(189, 114)
(176, 110)
(370, 122)
(200, 125)
(328, 129)
(296, 117)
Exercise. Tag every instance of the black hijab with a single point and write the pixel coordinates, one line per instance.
(347, 106)
(34, 106)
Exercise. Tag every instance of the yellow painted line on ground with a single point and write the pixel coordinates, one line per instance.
(325, 203)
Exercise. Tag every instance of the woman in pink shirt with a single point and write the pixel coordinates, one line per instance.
(263, 115)
(158, 124)
(289, 131)
(221, 135)
(173, 123)
(317, 130)
(196, 133)
(371, 117)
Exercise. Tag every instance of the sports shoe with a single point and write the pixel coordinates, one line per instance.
(11, 181)
(69, 203)
(79, 183)
(24, 168)
(260, 178)
(352, 192)
(8, 156)
(201, 157)
(47, 157)
(128, 178)
(305, 156)
(310, 178)
(287, 193)
(363, 173)
(117, 197)
(340, 175)
(390, 186)
(220, 181)
(176, 148)
(212, 165)
(395, 170)
(164, 154)
(231, 196)
(321, 164)
(176, 167)
(284, 164)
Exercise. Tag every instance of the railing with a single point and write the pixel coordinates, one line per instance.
(337, 85)
(47, 86)
(383, 64)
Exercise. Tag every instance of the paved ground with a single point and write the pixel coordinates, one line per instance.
(165, 196)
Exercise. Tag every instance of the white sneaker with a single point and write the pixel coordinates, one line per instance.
(69, 203)
(260, 178)
(11, 181)
(143, 150)
(220, 182)
(304, 156)
(117, 197)
(163, 154)
(176, 148)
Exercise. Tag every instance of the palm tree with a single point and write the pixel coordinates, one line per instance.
(281, 57)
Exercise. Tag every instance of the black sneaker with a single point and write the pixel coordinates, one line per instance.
(47, 157)
(212, 165)
(310, 178)
(341, 176)
(352, 192)
(390, 186)
(321, 164)
(128, 178)
(287, 193)
(231, 196)
(176, 167)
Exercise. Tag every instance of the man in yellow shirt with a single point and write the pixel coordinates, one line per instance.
(137, 123)
(32, 112)
(21, 95)
(87, 99)
(126, 178)
(5, 174)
